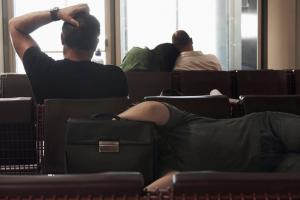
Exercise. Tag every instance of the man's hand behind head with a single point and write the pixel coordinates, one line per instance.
(66, 14)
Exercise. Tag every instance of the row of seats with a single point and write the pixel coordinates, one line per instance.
(230, 83)
(56, 113)
(22, 144)
(24, 148)
(129, 186)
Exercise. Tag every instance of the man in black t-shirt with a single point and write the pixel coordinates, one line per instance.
(75, 76)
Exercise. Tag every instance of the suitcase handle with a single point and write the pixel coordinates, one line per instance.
(104, 116)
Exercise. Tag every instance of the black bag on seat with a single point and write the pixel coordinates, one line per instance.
(101, 144)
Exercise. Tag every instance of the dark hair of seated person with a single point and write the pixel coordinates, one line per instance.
(166, 55)
(84, 37)
(181, 39)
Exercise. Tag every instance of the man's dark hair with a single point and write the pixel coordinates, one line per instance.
(166, 54)
(84, 37)
(180, 39)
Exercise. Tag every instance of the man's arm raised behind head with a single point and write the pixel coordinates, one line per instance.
(21, 27)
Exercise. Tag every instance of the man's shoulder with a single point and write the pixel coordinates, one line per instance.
(204, 57)
(36, 60)
(196, 60)
(32, 49)
(138, 51)
(112, 68)
(210, 56)
(108, 69)
(84, 67)
(32, 52)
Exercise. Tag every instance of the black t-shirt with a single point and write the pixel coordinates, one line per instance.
(52, 79)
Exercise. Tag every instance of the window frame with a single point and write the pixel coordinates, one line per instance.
(113, 36)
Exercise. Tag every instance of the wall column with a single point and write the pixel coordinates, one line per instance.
(282, 34)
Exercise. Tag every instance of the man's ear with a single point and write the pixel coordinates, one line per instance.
(62, 38)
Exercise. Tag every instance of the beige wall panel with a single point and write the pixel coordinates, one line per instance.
(298, 35)
(281, 34)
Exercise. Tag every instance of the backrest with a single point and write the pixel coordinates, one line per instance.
(141, 84)
(83, 186)
(297, 81)
(56, 113)
(202, 82)
(15, 85)
(233, 185)
(17, 136)
(279, 103)
(208, 106)
(262, 82)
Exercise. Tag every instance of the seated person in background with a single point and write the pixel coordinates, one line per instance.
(161, 58)
(75, 76)
(257, 142)
(190, 59)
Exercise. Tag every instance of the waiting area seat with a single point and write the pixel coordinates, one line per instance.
(297, 81)
(278, 103)
(52, 123)
(141, 84)
(108, 185)
(262, 82)
(208, 106)
(202, 82)
(230, 185)
(15, 85)
(17, 136)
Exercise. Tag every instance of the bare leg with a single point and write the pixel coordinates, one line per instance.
(162, 183)
(149, 111)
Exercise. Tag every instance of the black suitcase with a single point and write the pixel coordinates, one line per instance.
(94, 145)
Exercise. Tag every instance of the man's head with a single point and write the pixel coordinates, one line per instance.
(166, 54)
(84, 37)
(182, 41)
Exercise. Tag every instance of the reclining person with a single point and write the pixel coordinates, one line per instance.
(258, 142)
(161, 58)
(75, 76)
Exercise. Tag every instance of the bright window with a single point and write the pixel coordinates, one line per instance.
(214, 25)
(48, 37)
(149, 22)
(228, 29)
